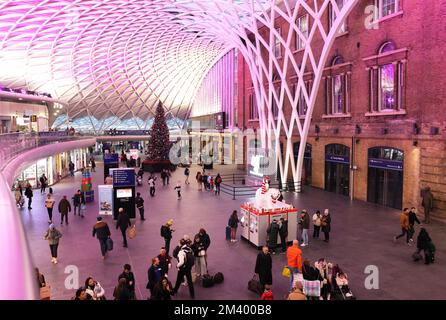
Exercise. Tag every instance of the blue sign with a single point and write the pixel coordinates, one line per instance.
(386, 164)
(111, 158)
(337, 159)
(124, 178)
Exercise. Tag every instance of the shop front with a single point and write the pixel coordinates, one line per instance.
(385, 176)
(337, 169)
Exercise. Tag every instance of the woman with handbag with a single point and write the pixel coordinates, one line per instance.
(200, 256)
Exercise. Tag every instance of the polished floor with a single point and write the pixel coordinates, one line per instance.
(361, 236)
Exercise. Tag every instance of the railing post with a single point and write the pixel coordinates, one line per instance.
(233, 193)
(233, 178)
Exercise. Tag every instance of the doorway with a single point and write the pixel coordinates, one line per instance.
(337, 169)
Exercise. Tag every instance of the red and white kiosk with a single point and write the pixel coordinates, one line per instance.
(257, 215)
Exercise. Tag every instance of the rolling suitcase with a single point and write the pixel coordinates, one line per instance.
(228, 233)
(207, 281)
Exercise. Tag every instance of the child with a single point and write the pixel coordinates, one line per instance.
(267, 294)
(178, 189)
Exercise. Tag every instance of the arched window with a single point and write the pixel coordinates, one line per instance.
(387, 85)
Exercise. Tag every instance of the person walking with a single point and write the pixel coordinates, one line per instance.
(316, 224)
(326, 225)
(263, 268)
(78, 202)
(283, 233)
(166, 233)
(217, 181)
(163, 290)
(199, 179)
(43, 183)
(139, 202)
(71, 168)
(165, 262)
(412, 219)
(29, 195)
(128, 275)
(163, 176)
(123, 223)
(49, 205)
(154, 275)
(233, 223)
(404, 223)
(184, 266)
(294, 258)
(52, 236)
(187, 173)
(151, 183)
(427, 203)
(102, 232)
(305, 225)
(178, 190)
(272, 233)
(168, 175)
(64, 207)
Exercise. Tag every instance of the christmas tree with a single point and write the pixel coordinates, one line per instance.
(159, 144)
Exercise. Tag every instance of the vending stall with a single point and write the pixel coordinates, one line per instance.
(257, 215)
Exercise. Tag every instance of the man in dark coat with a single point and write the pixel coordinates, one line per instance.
(264, 265)
(102, 232)
(326, 225)
(412, 219)
(427, 203)
(64, 208)
(273, 231)
(165, 261)
(166, 233)
(139, 202)
(123, 223)
(283, 233)
(154, 275)
(78, 201)
(130, 277)
(29, 195)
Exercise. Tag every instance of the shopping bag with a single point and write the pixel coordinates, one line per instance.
(45, 293)
(109, 244)
(255, 286)
(131, 232)
(286, 272)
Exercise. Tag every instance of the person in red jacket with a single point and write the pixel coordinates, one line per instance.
(294, 257)
(267, 294)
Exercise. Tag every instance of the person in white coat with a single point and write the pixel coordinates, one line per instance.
(316, 224)
(94, 289)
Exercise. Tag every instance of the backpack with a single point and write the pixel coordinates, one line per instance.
(163, 231)
(175, 252)
(190, 259)
(218, 180)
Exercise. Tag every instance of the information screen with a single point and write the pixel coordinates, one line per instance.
(123, 193)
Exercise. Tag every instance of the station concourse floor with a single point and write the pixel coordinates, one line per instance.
(362, 235)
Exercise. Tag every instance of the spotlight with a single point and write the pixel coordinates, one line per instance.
(336, 131)
(415, 143)
(416, 128)
(317, 139)
(317, 129)
(357, 141)
(358, 129)
(385, 131)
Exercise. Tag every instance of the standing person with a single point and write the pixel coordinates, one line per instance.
(412, 219)
(163, 290)
(102, 232)
(199, 179)
(29, 195)
(64, 208)
(123, 223)
(178, 190)
(121, 291)
(427, 203)
(272, 232)
(263, 268)
(294, 257)
(305, 225)
(316, 224)
(139, 202)
(217, 182)
(163, 176)
(43, 182)
(151, 183)
(93, 164)
(71, 168)
(206, 240)
(165, 262)
(128, 275)
(199, 254)
(283, 233)
(49, 205)
(154, 275)
(404, 223)
(233, 223)
(166, 233)
(53, 235)
(187, 173)
(326, 225)
(168, 175)
(78, 201)
(204, 177)
(184, 266)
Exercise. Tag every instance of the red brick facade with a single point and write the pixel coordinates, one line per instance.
(417, 32)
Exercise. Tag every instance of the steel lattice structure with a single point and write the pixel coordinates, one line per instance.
(119, 57)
